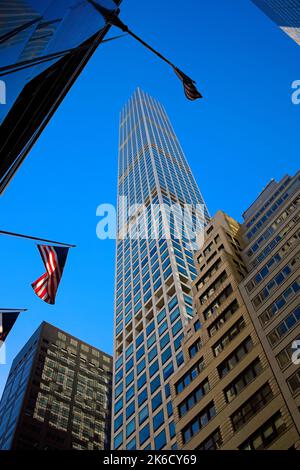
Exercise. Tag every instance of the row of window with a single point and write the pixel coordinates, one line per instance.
(223, 318)
(285, 356)
(193, 398)
(269, 214)
(235, 357)
(216, 304)
(268, 202)
(281, 301)
(272, 245)
(266, 434)
(190, 376)
(294, 382)
(213, 288)
(229, 336)
(242, 380)
(270, 230)
(284, 327)
(201, 420)
(272, 263)
(251, 407)
(276, 281)
(204, 279)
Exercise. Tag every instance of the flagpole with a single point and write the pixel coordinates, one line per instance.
(8, 310)
(29, 237)
(114, 20)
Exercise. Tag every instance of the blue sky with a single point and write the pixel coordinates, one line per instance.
(245, 132)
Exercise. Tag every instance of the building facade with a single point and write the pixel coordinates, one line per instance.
(285, 13)
(238, 388)
(57, 396)
(154, 273)
(272, 287)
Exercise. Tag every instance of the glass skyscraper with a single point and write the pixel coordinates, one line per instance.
(285, 13)
(153, 301)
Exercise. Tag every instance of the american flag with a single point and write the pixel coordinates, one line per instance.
(190, 89)
(54, 259)
(7, 321)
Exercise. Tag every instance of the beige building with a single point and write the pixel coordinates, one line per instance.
(238, 387)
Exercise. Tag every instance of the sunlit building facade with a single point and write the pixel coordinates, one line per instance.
(154, 273)
(239, 387)
(57, 396)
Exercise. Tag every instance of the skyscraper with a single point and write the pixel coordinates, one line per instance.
(57, 396)
(154, 273)
(285, 13)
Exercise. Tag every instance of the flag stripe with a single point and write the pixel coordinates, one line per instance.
(54, 260)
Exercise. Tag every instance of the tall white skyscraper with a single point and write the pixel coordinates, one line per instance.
(153, 301)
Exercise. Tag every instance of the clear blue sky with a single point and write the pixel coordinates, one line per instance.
(242, 134)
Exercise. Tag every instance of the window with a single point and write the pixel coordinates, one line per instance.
(213, 288)
(160, 441)
(197, 325)
(130, 410)
(144, 434)
(195, 348)
(166, 355)
(284, 357)
(251, 407)
(266, 434)
(190, 376)
(153, 368)
(216, 304)
(242, 380)
(130, 393)
(229, 336)
(193, 398)
(201, 420)
(294, 382)
(213, 442)
(158, 420)
(168, 370)
(118, 440)
(118, 405)
(176, 328)
(155, 384)
(118, 422)
(143, 415)
(130, 428)
(235, 357)
(142, 397)
(223, 318)
(131, 445)
(156, 401)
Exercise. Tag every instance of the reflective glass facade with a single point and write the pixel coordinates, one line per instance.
(30, 30)
(153, 300)
(285, 13)
(57, 396)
